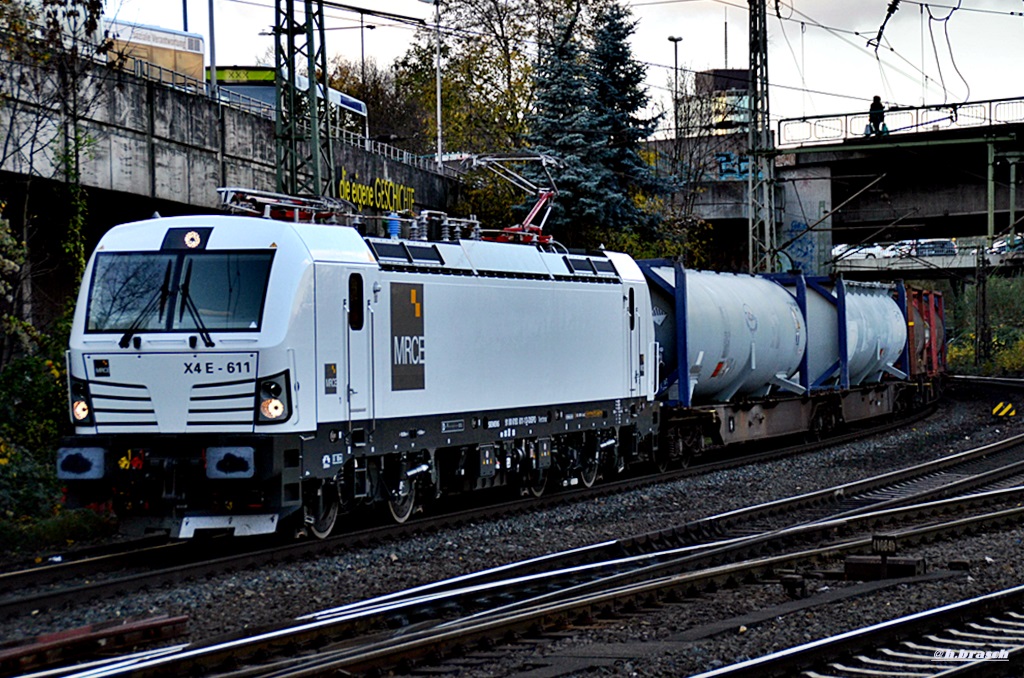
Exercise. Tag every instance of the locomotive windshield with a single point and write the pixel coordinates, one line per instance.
(178, 291)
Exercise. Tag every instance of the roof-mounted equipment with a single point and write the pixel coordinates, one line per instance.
(255, 203)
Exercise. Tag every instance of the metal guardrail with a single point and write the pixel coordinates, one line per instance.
(822, 129)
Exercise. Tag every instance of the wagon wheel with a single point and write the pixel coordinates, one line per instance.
(823, 421)
(590, 462)
(402, 502)
(679, 448)
(321, 510)
(816, 430)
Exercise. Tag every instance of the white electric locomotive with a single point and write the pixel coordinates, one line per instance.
(228, 373)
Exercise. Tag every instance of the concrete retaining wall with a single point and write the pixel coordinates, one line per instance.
(149, 139)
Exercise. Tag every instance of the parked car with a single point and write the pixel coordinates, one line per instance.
(1010, 243)
(931, 247)
(840, 252)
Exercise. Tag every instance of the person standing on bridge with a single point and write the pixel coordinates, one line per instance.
(876, 117)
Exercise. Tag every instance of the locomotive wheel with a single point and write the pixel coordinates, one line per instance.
(682, 450)
(662, 457)
(402, 505)
(322, 511)
(535, 482)
(590, 461)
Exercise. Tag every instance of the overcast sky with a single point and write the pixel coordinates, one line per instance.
(819, 59)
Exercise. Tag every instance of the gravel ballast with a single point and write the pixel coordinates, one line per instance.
(233, 603)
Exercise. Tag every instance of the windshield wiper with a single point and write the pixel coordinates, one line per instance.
(193, 312)
(160, 298)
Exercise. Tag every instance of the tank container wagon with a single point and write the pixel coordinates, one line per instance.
(784, 354)
(233, 373)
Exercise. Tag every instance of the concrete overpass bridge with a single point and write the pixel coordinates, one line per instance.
(941, 171)
(948, 171)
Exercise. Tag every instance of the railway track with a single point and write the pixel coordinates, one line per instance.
(1000, 382)
(983, 636)
(555, 591)
(64, 578)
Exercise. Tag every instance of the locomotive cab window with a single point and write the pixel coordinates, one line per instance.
(178, 291)
(355, 302)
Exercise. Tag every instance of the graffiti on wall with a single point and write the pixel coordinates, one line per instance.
(803, 250)
(732, 167)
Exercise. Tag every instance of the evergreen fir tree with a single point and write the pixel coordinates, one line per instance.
(563, 124)
(619, 98)
(587, 113)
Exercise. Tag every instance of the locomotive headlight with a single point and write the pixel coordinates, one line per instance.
(80, 402)
(80, 410)
(273, 400)
(272, 408)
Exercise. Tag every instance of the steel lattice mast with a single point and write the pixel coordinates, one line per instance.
(304, 144)
(761, 177)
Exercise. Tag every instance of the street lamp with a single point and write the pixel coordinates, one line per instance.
(675, 88)
(362, 47)
(213, 57)
(362, 41)
(437, 95)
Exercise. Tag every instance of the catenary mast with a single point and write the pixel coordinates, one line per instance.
(761, 178)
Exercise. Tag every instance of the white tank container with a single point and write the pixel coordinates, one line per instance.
(743, 334)
(875, 333)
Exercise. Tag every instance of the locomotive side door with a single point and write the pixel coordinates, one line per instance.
(359, 325)
(632, 341)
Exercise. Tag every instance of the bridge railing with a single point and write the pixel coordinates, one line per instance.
(821, 129)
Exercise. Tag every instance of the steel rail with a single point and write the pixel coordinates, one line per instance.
(900, 631)
(516, 575)
(857, 487)
(337, 624)
(59, 567)
(973, 380)
(254, 554)
(416, 643)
